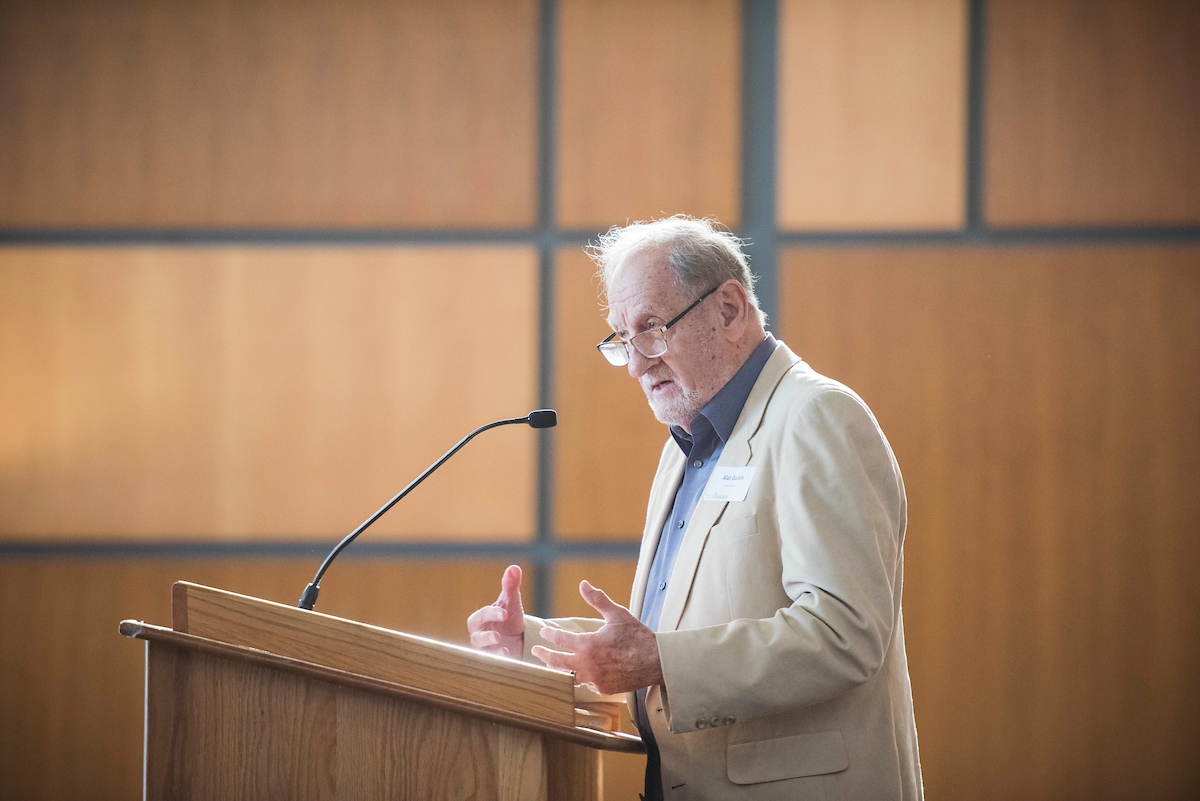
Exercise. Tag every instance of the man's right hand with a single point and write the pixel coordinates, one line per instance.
(500, 628)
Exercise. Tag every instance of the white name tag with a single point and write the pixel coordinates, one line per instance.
(729, 484)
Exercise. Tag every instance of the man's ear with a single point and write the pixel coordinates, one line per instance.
(735, 308)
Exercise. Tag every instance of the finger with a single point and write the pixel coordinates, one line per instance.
(492, 614)
(567, 640)
(484, 616)
(555, 659)
(485, 639)
(598, 599)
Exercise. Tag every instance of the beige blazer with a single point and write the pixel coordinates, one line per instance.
(781, 637)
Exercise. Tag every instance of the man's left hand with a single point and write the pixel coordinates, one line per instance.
(622, 655)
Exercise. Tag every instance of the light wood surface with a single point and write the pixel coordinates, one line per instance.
(649, 115)
(271, 392)
(227, 728)
(1092, 113)
(607, 442)
(574, 769)
(599, 715)
(1043, 408)
(71, 687)
(201, 716)
(872, 114)
(591, 727)
(351, 114)
(450, 670)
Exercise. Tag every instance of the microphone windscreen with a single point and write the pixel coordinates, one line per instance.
(543, 418)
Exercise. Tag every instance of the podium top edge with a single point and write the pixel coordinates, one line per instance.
(607, 741)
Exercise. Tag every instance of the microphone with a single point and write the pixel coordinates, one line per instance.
(542, 418)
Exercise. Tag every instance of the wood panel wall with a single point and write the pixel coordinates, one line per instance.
(1042, 401)
(649, 120)
(607, 444)
(264, 392)
(1093, 112)
(363, 113)
(1043, 406)
(872, 114)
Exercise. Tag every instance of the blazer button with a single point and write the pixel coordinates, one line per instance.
(701, 723)
(729, 721)
(715, 721)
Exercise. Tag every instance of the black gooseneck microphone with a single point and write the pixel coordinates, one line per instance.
(542, 418)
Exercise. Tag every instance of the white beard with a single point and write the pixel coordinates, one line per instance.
(678, 410)
(681, 403)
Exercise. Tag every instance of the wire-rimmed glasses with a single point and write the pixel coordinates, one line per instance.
(651, 343)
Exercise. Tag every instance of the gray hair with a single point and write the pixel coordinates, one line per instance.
(701, 255)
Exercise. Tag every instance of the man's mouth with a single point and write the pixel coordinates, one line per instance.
(659, 386)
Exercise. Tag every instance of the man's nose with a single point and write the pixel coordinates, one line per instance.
(639, 364)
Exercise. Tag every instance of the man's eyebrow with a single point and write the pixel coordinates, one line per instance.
(639, 318)
(644, 316)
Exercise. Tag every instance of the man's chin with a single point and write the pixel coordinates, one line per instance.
(671, 414)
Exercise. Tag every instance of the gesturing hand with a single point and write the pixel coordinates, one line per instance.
(500, 628)
(622, 655)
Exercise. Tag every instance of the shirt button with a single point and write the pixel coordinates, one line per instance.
(679, 524)
(697, 463)
(662, 585)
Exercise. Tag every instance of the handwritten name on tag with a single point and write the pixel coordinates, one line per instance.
(729, 484)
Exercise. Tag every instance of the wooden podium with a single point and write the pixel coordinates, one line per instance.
(251, 699)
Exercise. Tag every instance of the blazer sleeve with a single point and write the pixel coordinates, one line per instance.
(840, 510)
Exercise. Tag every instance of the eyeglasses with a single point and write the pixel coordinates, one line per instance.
(651, 343)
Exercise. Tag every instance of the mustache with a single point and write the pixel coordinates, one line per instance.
(658, 374)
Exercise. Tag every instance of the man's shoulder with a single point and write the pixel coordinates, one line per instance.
(801, 383)
(803, 395)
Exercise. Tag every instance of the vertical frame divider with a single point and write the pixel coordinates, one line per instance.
(976, 86)
(760, 22)
(543, 551)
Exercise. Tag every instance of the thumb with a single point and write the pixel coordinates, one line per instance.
(510, 589)
(598, 599)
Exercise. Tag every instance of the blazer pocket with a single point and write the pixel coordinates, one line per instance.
(736, 529)
(786, 757)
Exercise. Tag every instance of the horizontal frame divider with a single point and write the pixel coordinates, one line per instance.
(196, 549)
(998, 237)
(306, 236)
(1049, 235)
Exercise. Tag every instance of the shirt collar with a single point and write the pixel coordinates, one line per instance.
(723, 410)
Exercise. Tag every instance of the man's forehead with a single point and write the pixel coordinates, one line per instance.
(642, 285)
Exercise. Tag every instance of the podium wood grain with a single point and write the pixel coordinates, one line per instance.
(224, 728)
(379, 653)
(247, 698)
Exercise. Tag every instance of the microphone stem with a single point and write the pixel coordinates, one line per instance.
(310, 593)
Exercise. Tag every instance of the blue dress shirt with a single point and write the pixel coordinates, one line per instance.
(711, 429)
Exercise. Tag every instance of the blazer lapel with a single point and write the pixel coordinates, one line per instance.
(736, 453)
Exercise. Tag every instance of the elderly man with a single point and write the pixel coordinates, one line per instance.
(766, 658)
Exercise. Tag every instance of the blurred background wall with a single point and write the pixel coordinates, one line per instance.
(261, 262)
